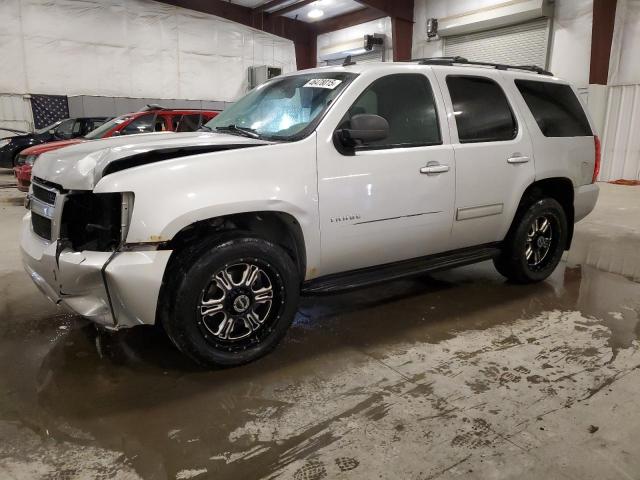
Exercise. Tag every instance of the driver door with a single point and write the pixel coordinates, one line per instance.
(377, 203)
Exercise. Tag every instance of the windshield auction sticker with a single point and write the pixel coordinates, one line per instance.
(329, 83)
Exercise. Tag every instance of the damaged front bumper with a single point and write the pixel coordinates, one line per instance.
(114, 289)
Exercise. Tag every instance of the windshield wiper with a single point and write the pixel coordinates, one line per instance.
(245, 132)
(205, 127)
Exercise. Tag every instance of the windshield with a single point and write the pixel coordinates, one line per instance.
(283, 109)
(105, 127)
(49, 127)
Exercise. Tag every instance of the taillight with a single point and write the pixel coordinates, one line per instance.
(596, 167)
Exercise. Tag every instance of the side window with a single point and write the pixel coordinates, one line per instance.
(95, 124)
(188, 123)
(142, 124)
(162, 123)
(66, 128)
(556, 109)
(406, 102)
(481, 110)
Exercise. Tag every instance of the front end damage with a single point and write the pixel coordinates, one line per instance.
(73, 247)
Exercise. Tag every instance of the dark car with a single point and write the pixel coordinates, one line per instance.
(11, 146)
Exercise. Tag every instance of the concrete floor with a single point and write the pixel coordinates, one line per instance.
(451, 375)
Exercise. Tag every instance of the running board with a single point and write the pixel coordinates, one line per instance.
(392, 271)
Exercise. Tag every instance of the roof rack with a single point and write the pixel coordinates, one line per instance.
(152, 106)
(464, 61)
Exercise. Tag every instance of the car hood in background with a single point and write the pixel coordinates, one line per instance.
(46, 147)
(10, 133)
(80, 166)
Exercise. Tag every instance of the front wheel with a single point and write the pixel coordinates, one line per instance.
(230, 302)
(533, 249)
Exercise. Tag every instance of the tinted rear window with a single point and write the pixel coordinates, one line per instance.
(556, 109)
(481, 110)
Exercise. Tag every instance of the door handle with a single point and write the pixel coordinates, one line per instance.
(434, 169)
(518, 159)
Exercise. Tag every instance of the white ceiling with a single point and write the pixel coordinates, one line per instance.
(330, 8)
(249, 3)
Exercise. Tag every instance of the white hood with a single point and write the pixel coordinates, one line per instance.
(80, 166)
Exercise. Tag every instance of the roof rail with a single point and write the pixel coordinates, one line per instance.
(464, 61)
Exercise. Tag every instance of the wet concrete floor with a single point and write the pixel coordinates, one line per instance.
(456, 374)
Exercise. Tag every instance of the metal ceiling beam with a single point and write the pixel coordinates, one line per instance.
(270, 5)
(402, 9)
(281, 26)
(291, 8)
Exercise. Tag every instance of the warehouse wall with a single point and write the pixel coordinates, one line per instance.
(570, 49)
(334, 40)
(129, 48)
(621, 134)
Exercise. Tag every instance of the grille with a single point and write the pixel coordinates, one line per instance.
(41, 226)
(44, 195)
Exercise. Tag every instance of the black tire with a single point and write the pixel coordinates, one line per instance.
(196, 278)
(523, 258)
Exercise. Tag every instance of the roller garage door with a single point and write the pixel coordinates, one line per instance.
(523, 44)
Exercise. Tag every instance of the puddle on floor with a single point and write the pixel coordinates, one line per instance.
(132, 392)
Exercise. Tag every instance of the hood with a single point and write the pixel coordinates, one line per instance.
(46, 147)
(81, 166)
(10, 132)
(28, 136)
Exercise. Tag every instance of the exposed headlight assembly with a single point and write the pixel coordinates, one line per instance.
(96, 221)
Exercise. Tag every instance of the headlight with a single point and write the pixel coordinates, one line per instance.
(5, 142)
(31, 159)
(96, 221)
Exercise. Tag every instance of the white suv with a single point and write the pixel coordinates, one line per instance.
(314, 182)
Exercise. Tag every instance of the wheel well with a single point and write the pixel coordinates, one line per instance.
(277, 227)
(561, 190)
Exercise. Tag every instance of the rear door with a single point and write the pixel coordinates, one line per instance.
(493, 154)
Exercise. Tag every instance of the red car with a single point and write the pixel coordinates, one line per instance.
(151, 119)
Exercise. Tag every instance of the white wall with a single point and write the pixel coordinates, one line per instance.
(570, 52)
(332, 39)
(129, 48)
(621, 134)
(624, 67)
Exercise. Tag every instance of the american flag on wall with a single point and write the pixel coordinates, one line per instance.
(48, 109)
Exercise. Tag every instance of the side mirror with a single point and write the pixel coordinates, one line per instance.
(365, 128)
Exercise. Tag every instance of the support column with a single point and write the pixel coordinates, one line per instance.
(604, 16)
(402, 37)
(306, 56)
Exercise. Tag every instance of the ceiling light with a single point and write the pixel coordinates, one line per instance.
(315, 13)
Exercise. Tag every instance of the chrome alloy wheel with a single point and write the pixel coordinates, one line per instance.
(539, 241)
(238, 303)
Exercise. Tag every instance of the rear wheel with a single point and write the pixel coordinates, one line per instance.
(534, 246)
(230, 302)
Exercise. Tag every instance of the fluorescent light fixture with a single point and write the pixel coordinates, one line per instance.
(315, 13)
